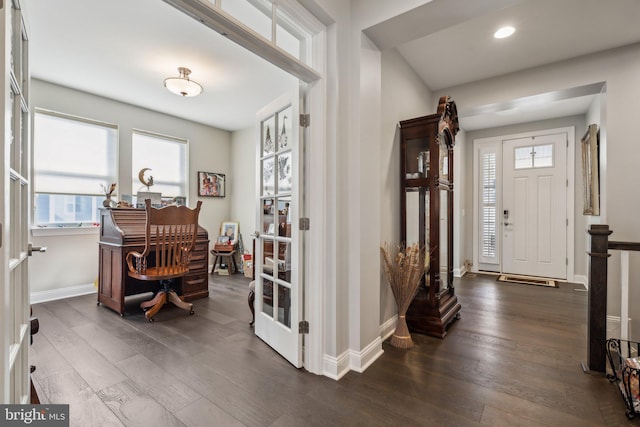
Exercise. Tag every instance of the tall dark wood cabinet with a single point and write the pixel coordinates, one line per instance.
(426, 212)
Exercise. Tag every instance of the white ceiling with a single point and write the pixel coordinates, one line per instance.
(124, 49)
(450, 43)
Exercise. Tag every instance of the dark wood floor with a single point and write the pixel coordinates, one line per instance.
(512, 360)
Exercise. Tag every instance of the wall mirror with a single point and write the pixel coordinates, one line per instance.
(590, 178)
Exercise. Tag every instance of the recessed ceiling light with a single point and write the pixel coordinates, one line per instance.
(504, 32)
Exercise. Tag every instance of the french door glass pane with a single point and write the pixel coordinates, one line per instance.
(284, 173)
(268, 135)
(268, 177)
(284, 217)
(284, 126)
(267, 297)
(284, 305)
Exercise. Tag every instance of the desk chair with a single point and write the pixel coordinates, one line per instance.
(170, 236)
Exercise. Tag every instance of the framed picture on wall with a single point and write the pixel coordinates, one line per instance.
(590, 172)
(211, 184)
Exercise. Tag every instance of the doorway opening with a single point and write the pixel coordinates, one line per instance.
(523, 215)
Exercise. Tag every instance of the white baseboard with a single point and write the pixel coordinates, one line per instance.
(388, 327)
(579, 278)
(361, 360)
(336, 367)
(613, 328)
(459, 272)
(351, 360)
(68, 292)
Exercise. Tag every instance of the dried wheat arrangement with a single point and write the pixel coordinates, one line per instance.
(404, 268)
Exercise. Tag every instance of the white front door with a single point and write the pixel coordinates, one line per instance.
(534, 208)
(15, 199)
(279, 288)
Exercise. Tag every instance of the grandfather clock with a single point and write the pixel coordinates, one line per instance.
(426, 212)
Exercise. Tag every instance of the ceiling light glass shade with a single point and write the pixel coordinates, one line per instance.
(504, 32)
(182, 85)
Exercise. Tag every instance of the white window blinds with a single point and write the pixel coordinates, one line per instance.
(488, 209)
(73, 155)
(167, 159)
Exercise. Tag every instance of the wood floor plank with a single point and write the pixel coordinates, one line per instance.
(513, 359)
(112, 348)
(85, 408)
(203, 413)
(134, 408)
(164, 387)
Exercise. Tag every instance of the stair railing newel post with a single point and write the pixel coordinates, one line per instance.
(597, 297)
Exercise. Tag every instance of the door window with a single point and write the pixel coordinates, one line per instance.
(534, 156)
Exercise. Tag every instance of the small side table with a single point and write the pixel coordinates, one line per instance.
(231, 262)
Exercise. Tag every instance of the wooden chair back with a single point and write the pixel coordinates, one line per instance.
(171, 234)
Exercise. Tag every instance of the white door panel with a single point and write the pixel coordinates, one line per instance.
(278, 302)
(535, 209)
(15, 200)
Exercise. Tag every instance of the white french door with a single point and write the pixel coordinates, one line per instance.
(278, 258)
(534, 206)
(15, 199)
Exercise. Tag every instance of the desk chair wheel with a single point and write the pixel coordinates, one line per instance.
(192, 312)
(151, 319)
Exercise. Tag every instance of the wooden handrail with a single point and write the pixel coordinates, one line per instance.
(624, 246)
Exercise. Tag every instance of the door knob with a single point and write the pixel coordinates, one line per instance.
(31, 249)
(508, 223)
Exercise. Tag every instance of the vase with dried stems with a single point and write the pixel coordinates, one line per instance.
(404, 268)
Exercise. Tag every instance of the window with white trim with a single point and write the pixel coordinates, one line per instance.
(74, 160)
(488, 208)
(166, 157)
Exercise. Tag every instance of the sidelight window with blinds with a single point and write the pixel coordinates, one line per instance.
(488, 235)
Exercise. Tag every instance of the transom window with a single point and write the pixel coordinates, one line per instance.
(534, 156)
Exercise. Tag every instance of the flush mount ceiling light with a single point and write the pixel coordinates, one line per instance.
(504, 32)
(182, 85)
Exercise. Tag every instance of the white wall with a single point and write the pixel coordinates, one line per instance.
(404, 96)
(353, 157)
(73, 260)
(243, 187)
(620, 69)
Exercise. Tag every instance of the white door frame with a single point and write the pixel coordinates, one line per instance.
(496, 141)
(15, 204)
(316, 187)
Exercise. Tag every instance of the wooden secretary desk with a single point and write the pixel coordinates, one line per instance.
(426, 212)
(123, 230)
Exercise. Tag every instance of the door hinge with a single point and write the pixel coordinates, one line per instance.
(566, 261)
(304, 224)
(305, 120)
(303, 327)
(567, 222)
